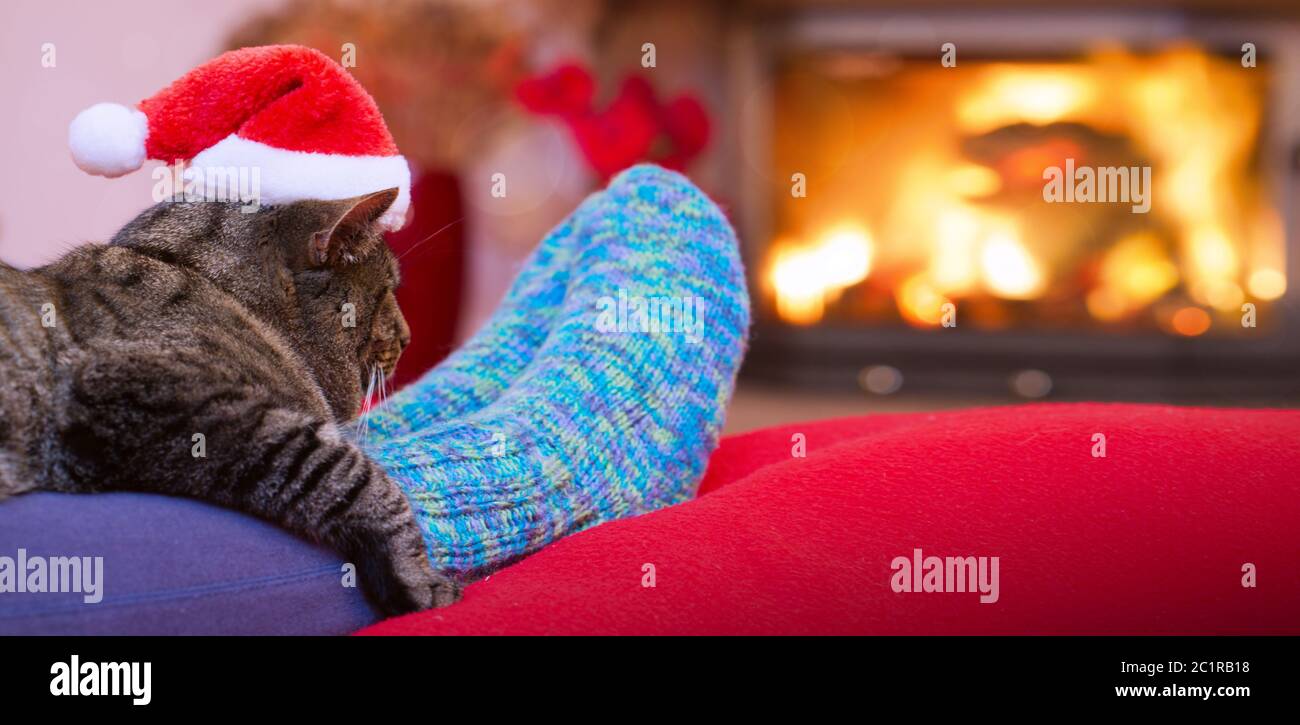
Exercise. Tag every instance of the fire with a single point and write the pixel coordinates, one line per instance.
(1035, 93)
(799, 286)
(952, 265)
(844, 256)
(973, 180)
(919, 302)
(947, 171)
(1135, 272)
(804, 276)
(1267, 284)
(1190, 321)
(1009, 271)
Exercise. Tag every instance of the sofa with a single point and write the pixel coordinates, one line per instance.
(1074, 519)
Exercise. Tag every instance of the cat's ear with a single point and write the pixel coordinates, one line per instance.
(345, 230)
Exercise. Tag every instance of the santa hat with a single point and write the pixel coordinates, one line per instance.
(292, 113)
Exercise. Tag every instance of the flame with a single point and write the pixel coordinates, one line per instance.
(1135, 272)
(919, 302)
(1267, 284)
(796, 280)
(1107, 304)
(804, 276)
(1037, 94)
(844, 256)
(1009, 270)
(973, 180)
(1190, 321)
(953, 263)
(1211, 261)
(1201, 144)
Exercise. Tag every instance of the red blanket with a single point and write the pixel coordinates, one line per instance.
(1005, 520)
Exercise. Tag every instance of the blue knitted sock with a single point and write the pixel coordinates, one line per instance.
(622, 402)
(481, 369)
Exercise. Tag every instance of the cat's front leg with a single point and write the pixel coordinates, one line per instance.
(132, 425)
(336, 494)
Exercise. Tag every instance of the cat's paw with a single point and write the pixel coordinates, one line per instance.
(446, 591)
(425, 592)
(409, 584)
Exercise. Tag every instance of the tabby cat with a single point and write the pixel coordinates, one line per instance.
(213, 353)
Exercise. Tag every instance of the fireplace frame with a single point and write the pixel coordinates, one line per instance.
(1081, 364)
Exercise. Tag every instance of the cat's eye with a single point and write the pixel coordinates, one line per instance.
(320, 247)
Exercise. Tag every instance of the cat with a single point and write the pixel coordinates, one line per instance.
(213, 353)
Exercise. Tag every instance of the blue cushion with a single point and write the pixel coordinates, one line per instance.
(172, 566)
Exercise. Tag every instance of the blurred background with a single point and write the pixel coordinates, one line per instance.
(883, 163)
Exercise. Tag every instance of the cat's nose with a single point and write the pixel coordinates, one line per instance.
(403, 333)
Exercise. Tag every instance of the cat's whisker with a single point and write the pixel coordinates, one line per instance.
(378, 398)
(420, 243)
(363, 420)
(383, 386)
(374, 388)
(370, 401)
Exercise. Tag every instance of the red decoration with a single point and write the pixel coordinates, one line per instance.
(636, 126)
(568, 89)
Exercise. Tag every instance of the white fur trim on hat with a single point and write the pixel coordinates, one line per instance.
(107, 139)
(282, 176)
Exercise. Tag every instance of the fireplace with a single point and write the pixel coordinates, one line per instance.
(1092, 206)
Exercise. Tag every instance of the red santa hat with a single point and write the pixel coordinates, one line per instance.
(290, 112)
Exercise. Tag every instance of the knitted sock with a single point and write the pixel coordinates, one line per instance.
(622, 403)
(478, 371)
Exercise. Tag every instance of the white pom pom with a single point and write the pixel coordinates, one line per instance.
(107, 139)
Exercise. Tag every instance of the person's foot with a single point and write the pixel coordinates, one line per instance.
(622, 402)
(480, 370)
